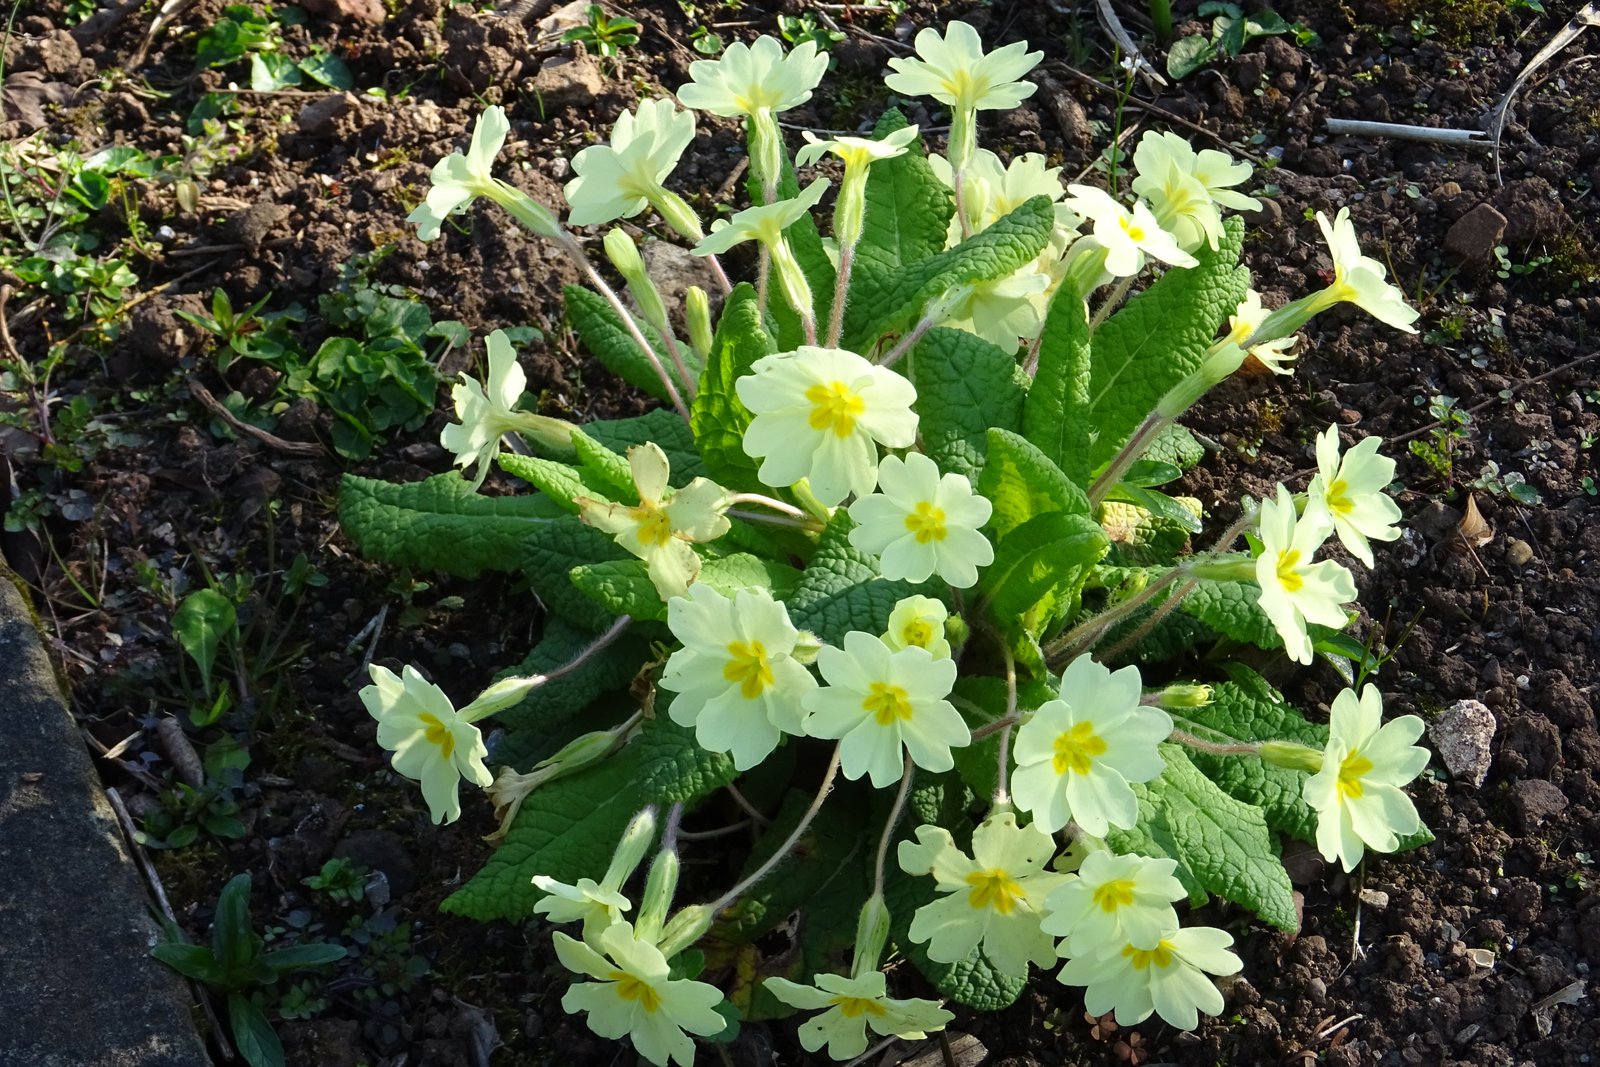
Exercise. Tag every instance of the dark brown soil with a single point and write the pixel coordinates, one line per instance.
(1384, 971)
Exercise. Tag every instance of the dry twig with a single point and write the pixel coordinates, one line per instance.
(303, 449)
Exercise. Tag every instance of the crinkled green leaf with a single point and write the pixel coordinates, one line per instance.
(665, 428)
(1139, 537)
(623, 587)
(981, 699)
(561, 482)
(1248, 709)
(1224, 841)
(1177, 446)
(1056, 417)
(440, 524)
(1233, 609)
(1040, 569)
(1150, 836)
(604, 335)
(605, 468)
(568, 828)
(1021, 482)
(718, 417)
(1159, 337)
(965, 386)
(1003, 248)
(841, 590)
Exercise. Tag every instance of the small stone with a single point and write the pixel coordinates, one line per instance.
(569, 80)
(1518, 552)
(1375, 899)
(1471, 241)
(369, 11)
(316, 118)
(1462, 735)
(1536, 801)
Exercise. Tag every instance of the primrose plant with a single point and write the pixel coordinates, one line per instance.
(895, 541)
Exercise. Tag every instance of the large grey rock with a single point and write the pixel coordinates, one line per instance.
(79, 986)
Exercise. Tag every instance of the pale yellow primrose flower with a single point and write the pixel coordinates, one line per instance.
(487, 413)
(858, 153)
(992, 190)
(432, 743)
(1350, 490)
(1114, 900)
(1185, 187)
(617, 180)
(460, 179)
(881, 704)
(954, 70)
(747, 79)
(598, 905)
(994, 898)
(1076, 755)
(633, 995)
(820, 413)
(1359, 279)
(1001, 310)
(1169, 979)
(1128, 236)
(1275, 355)
(764, 222)
(662, 527)
(737, 681)
(918, 622)
(920, 522)
(853, 1005)
(1295, 591)
(1357, 794)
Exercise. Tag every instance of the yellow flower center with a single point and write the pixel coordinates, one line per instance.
(747, 664)
(961, 85)
(438, 734)
(1288, 577)
(1143, 958)
(927, 522)
(888, 703)
(835, 407)
(655, 529)
(855, 1007)
(1339, 497)
(1076, 749)
(631, 988)
(993, 889)
(1114, 895)
(1134, 231)
(1354, 767)
(917, 632)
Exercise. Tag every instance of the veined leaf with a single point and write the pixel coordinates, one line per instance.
(604, 335)
(841, 590)
(1056, 417)
(718, 417)
(623, 587)
(1040, 569)
(965, 386)
(1022, 483)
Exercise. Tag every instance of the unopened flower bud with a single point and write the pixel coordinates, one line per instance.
(806, 647)
(503, 694)
(659, 890)
(697, 310)
(510, 789)
(631, 849)
(1183, 696)
(872, 931)
(685, 928)
(1291, 755)
(624, 255)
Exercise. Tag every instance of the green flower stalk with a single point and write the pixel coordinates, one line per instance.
(624, 255)
(850, 209)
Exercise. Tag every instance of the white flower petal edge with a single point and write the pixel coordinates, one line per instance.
(1350, 491)
(853, 1004)
(1357, 795)
(737, 682)
(1294, 590)
(1169, 979)
(820, 413)
(920, 522)
(431, 745)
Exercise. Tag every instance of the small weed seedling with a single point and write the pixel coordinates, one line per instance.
(1231, 31)
(603, 36)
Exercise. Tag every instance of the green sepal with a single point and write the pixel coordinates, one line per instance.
(717, 416)
(568, 828)
(1158, 338)
(806, 243)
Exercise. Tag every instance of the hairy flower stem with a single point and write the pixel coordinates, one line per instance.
(508, 691)
(1112, 300)
(575, 252)
(1183, 737)
(1166, 607)
(889, 825)
(1083, 636)
(769, 502)
(908, 342)
(841, 287)
(1002, 789)
(763, 278)
(788, 845)
(1141, 440)
(998, 726)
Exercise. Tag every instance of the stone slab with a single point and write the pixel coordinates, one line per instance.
(78, 984)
